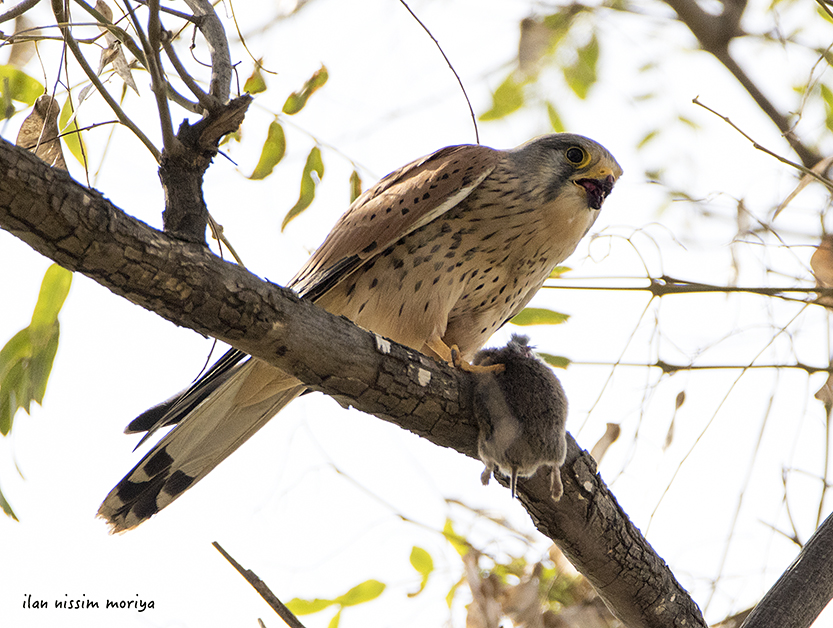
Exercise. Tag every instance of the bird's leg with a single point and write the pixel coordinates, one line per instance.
(458, 361)
(453, 357)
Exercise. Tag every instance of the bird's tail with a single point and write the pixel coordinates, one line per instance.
(204, 437)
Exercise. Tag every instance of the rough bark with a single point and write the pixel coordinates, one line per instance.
(182, 169)
(804, 589)
(184, 283)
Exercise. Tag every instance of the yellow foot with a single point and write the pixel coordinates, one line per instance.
(458, 362)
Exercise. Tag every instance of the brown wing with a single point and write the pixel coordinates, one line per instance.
(400, 203)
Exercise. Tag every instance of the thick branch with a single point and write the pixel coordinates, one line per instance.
(189, 286)
(804, 589)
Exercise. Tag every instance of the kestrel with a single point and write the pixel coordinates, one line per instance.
(441, 252)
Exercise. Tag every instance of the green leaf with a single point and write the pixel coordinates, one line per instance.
(581, 75)
(26, 359)
(558, 271)
(421, 561)
(307, 607)
(335, 621)
(827, 95)
(688, 122)
(449, 598)
(296, 100)
(361, 593)
(21, 87)
(458, 542)
(41, 366)
(558, 361)
(70, 134)
(308, 183)
(539, 316)
(555, 119)
(508, 97)
(53, 292)
(274, 148)
(13, 395)
(355, 186)
(6, 507)
(649, 137)
(17, 349)
(255, 83)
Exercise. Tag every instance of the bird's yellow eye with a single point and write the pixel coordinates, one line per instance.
(577, 156)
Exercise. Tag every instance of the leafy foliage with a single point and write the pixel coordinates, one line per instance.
(360, 594)
(508, 98)
(26, 359)
(70, 133)
(274, 148)
(297, 100)
(17, 85)
(423, 563)
(255, 84)
(582, 74)
(312, 175)
(539, 316)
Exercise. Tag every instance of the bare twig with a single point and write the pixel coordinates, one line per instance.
(457, 76)
(215, 36)
(151, 44)
(217, 232)
(670, 369)
(801, 168)
(207, 101)
(63, 23)
(174, 12)
(825, 8)
(271, 599)
(665, 285)
(17, 11)
(128, 42)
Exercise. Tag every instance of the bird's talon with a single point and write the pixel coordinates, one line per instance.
(458, 362)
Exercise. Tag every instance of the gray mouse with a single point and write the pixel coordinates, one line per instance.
(522, 412)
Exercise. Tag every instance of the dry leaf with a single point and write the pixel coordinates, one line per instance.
(825, 393)
(22, 51)
(485, 610)
(533, 45)
(113, 53)
(39, 132)
(600, 448)
(820, 168)
(522, 602)
(821, 263)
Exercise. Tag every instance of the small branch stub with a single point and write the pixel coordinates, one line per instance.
(183, 167)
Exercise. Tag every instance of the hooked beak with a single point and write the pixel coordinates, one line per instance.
(597, 189)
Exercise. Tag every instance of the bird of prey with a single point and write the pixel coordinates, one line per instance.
(439, 253)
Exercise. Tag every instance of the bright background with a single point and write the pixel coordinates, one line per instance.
(314, 503)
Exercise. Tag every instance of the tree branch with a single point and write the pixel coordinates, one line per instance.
(714, 34)
(187, 285)
(805, 588)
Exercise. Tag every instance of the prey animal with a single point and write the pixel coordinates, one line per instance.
(522, 411)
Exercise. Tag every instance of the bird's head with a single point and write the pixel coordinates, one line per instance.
(564, 163)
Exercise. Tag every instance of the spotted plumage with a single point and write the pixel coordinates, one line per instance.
(439, 253)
